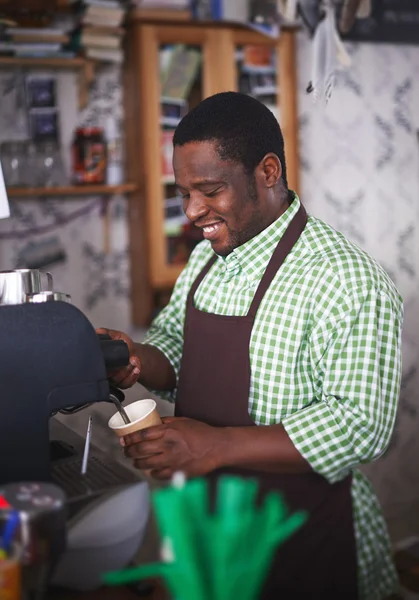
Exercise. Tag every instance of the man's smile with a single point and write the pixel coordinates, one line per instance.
(211, 230)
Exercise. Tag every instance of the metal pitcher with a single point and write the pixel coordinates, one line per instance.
(17, 287)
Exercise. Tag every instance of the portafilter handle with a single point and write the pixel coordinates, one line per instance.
(115, 352)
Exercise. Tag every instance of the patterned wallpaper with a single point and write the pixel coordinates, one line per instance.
(359, 172)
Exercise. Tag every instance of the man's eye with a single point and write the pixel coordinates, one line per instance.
(211, 194)
(185, 196)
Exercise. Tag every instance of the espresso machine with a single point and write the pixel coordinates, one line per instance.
(52, 360)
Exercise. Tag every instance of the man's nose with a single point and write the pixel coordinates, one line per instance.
(195, 207)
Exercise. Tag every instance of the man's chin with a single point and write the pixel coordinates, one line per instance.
(222, 249)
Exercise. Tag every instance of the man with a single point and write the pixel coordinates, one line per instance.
(281, 322)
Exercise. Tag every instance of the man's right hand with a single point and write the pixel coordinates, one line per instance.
(125, 377)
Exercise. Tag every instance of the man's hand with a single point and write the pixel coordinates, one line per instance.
(196, 448)
(177, 445)
(124, 377)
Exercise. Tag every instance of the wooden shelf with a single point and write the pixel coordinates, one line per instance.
(40, 63)
(83, 65)
(79, 190)
(161, 14)
(184, 18)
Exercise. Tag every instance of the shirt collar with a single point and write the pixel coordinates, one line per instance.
(253, 256)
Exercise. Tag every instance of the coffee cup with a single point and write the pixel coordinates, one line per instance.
(142, 414)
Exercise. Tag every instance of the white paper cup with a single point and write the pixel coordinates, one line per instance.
(142, 414)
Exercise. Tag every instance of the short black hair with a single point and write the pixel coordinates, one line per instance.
(244, 129)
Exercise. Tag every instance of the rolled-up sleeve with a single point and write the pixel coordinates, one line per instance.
(355, 356)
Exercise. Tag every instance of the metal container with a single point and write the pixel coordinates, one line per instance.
(16, 287)
(50, 297)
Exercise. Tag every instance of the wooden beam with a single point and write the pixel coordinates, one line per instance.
(220, 72)
(141, 292)
(288, 103)
(149, 84)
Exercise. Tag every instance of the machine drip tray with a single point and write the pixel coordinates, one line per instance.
(98, 479)
(104, 474)
(60, 450)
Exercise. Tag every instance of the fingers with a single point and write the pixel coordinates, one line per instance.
(135, 363)
(167, 420)
(162, 474)
(103, 330)
(144, 449)
(143, 435)
(147, 449)
(113, 333)
(152, 449)
(151, 463)
(125, 377)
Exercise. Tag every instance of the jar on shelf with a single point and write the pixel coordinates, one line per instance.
(13, 163)
(51, 171)
(89, 156)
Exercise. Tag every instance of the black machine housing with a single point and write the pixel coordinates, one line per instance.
(50, 359)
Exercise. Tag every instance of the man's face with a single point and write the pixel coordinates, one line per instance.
(218, 196)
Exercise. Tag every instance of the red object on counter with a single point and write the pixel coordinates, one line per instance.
(4, 503)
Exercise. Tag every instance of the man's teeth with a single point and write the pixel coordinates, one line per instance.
(210, 228)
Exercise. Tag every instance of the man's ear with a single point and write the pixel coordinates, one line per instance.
(270, 169)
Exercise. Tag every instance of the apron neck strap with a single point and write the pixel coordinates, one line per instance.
(284, 247)
(198, 280)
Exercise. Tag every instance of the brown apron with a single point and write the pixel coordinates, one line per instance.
(319, 561)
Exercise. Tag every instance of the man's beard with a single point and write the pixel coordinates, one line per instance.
(255, 226)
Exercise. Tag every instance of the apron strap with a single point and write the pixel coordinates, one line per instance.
(284, 247)
(286, 244)
(196, 283)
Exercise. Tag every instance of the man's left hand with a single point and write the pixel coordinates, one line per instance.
(178, 444)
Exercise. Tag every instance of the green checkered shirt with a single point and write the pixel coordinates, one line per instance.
(325, 356)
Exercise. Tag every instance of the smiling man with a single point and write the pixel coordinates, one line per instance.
(237, 216)
(281, 349)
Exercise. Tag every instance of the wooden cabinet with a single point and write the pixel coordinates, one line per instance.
(154, 268)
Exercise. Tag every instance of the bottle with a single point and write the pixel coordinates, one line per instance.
(89, 156)
(114, 153)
